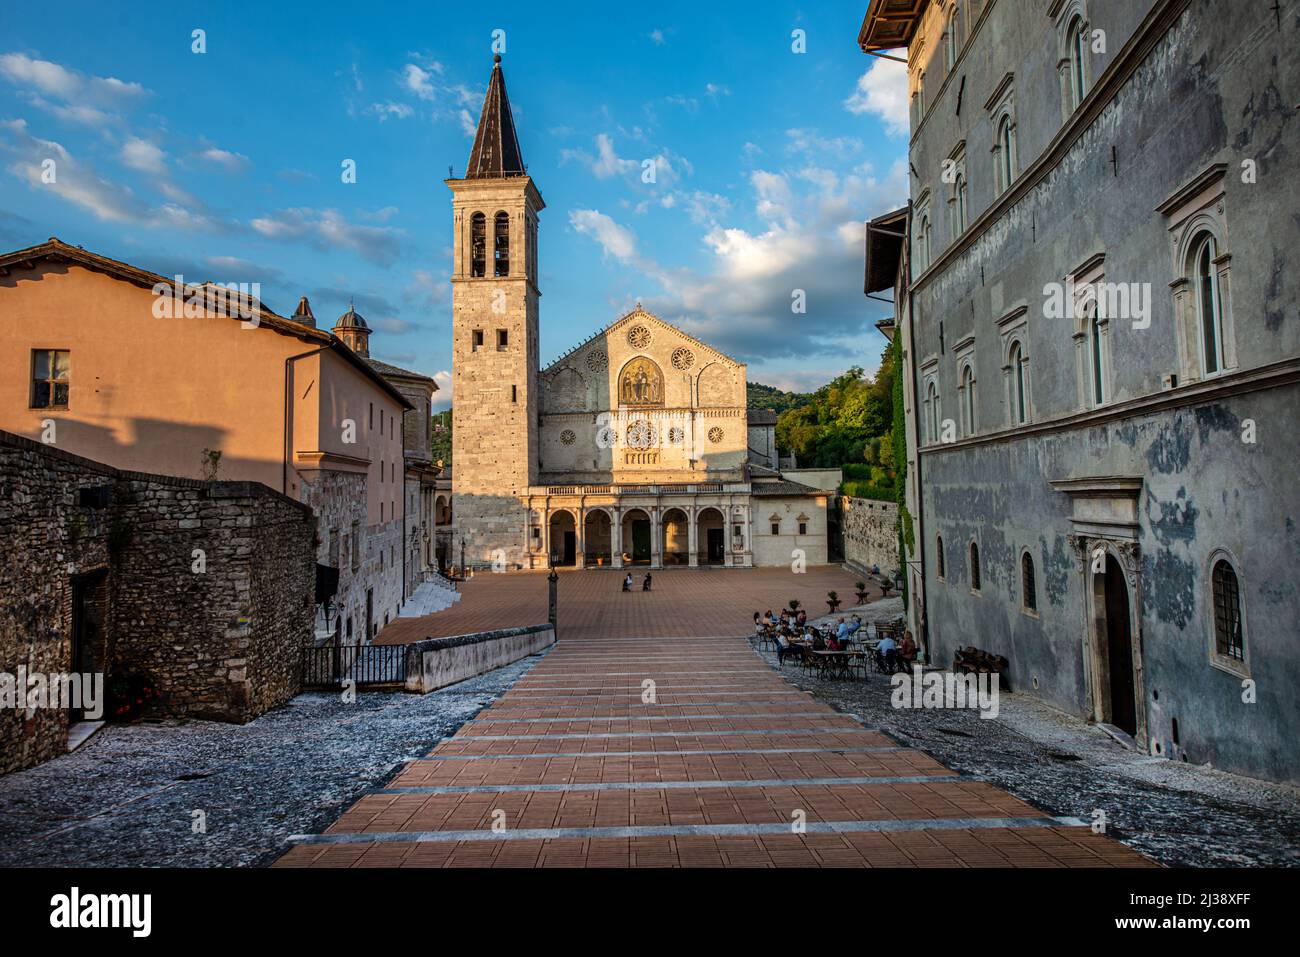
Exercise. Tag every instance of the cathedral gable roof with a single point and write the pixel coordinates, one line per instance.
(646, 318)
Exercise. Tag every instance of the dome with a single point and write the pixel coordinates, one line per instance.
(351, 320)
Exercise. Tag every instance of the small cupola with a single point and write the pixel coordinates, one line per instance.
(354, 332)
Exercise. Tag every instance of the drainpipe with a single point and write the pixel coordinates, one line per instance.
(916, 428)
(288, 396)
(404, 542)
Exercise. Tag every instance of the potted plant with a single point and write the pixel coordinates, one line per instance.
(861, 588)
(885, 585)
(833, 600)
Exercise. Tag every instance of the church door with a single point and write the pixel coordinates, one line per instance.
(717, 552)
(641, 540)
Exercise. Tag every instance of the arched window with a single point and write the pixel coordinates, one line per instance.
(950, 44)
(1078, 50)
(1094, 353)
(959, 206)
(974, 567)
(478, 245)
(932, 401)
(1006, 153)
(923, 244)
(968, 398)
(1019, 407)
(938, 555)
(1227, 611)
(501, 245)
(1028, 592)
(1209, 310)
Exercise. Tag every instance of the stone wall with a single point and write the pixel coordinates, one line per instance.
(207, 588)
(870, 530)
(437, 662)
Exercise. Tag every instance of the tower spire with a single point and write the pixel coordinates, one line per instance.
(496, 152)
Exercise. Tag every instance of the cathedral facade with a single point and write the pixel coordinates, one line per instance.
(632, 449)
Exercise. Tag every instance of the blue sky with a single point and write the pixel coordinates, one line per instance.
(226, 165)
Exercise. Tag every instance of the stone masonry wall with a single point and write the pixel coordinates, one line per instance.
(208, 587)
(870, 530)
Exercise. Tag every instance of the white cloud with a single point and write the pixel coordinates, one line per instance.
(614, 239)
(144, 156)
(390, 110)
(882, 92)
(419, 81)
(328, 228)
(226, 159)
(657, 38)
(71, 86)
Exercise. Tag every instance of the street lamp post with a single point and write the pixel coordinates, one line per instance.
(463, 576)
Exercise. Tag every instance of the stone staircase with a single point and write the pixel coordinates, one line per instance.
(434, 594)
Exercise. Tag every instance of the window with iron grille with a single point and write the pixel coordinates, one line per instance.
(1227, 611)
(974, 567)
(1029, 596)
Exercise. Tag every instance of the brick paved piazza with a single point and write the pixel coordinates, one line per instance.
(571, 767)
(683, 603)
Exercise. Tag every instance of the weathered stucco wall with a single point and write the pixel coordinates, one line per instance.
(1180, 94)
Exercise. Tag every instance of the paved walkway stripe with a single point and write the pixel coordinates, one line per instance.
(669, 717)
(642, 674)
(637, 694)
(672, 785)
(651, 754)
(652, 734)
(685, 830)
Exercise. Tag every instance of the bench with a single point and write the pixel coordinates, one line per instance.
(972, 660)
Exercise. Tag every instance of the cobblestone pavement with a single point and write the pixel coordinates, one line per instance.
(127, 797)
(727, 765)
(1180, 815)
(683, 602)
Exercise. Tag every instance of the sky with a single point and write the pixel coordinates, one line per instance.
(227, 164)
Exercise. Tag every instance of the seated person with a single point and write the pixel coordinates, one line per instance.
(848, 629)
(768, 619)
(833, 644)
(887, 654)
(802, 618)
(818, 642)
(907, 651)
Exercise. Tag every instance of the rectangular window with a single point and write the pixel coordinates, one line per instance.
(476, 341)
(514, 393)
(50, 378)
(356, 546)
(803, 528)
(503, 339)
(776, 528)
(371, 426)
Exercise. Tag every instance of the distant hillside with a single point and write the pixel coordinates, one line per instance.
(766, 397)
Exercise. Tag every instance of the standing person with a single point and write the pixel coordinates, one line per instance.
(627, 582)
(801, 618)
(645, 585)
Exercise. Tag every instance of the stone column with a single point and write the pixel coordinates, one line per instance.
(656, 537)
(580, 534)
(692, 537)
(616, 537)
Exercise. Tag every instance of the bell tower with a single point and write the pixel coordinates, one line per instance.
(495, 354)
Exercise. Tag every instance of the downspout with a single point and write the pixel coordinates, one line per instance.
(919, 537)
(405, 543)
(288, 394)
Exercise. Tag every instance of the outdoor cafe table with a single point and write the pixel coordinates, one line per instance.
(834, 662)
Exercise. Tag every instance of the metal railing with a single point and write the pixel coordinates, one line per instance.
(328, 666)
